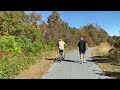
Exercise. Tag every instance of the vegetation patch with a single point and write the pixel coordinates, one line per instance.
(108, 60)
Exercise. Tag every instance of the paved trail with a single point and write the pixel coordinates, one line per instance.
(72, 69)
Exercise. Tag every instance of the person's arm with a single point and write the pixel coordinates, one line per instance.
(78, 44)
(86, 46)
(57, 44)
(65, 44)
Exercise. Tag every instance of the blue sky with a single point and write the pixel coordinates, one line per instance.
(108, 20)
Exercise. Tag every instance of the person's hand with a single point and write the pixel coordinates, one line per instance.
(66, 46)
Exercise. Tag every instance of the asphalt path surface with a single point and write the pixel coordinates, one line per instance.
(71, 68)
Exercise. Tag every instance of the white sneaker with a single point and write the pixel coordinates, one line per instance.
(84, 61)
(81, 62)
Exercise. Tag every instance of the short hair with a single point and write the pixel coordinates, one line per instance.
(81, 38)
(60, 39)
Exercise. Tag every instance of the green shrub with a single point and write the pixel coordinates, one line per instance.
(114, 55)
(117, 45)
(9, 44)
(14, 65)
(32, 51)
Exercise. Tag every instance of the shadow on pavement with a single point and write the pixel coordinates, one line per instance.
(72, 61)
(99, 59)
(116, 75)
(50, 58)
(56, 60)
(113, 74)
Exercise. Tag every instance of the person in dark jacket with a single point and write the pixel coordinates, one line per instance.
(82, 49)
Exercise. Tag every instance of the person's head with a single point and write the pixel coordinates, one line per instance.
(81, 38)
(60, 39)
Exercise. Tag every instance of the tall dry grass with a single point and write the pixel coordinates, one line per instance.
(103, 48)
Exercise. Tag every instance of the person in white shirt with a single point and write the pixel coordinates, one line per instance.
(61, 44)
